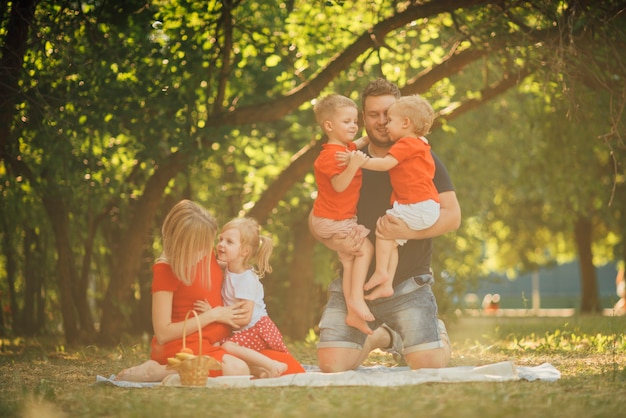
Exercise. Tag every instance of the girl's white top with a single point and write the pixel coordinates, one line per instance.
(246, 286)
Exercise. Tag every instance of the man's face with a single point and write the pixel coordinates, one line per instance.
(375, 119)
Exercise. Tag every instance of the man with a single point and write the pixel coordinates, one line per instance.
(410, 314)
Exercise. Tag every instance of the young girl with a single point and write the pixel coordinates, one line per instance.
(187, 270)
(245, 254)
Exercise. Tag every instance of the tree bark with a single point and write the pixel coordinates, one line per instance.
(127, 255)
(302, 287)
(66, 270)
(34, 274)
(78, 322)
(11, 62)
(583, 231)
(310, 89)
(8, 247)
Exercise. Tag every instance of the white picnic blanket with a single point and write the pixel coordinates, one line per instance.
(372, 376)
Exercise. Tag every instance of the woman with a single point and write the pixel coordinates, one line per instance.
(187, 271)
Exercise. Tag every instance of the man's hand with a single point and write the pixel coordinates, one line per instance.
(391, 228)
(347, 245)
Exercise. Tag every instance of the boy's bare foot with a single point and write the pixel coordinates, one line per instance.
(150, 371)
(378, 278)
(381, 284)
(354, 320)
(382, 291)
(359, 307)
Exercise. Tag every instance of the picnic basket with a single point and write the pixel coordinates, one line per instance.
(194, 369)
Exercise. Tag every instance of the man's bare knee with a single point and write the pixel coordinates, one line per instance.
(333, 360)
(428, 359)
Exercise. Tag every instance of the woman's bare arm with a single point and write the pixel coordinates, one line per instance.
(247, 306)
(165, 330)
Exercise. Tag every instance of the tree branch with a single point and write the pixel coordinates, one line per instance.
(310, 89)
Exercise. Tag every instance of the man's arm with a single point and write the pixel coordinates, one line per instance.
(389, 227)
(361, 142)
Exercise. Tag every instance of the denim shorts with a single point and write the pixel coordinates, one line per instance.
(411, 311)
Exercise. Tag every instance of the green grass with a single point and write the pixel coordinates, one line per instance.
(43, 379)
(552, 302)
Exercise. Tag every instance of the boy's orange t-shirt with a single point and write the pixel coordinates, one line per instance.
(412, 178)
(330, 203)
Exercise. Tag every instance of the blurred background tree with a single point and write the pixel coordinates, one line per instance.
(110, 113)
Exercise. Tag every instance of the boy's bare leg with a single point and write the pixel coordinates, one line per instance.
(386, 264)
(358, 312)
(260, 365)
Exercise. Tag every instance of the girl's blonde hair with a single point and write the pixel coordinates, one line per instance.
(417, 110)
(188, 234)
(260, 246)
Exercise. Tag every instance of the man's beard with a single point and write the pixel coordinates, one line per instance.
(377, 141)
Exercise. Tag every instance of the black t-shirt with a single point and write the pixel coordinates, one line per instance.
(414, 257)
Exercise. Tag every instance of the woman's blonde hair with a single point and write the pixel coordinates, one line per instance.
(260, 246)
(188, 234)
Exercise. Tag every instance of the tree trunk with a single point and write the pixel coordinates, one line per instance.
(74, 306)
(66, 269)
(302, 302)
(11, 62)
(34, 273)
(127, 254)
(590, 302)
(142, 312)
(11, 269)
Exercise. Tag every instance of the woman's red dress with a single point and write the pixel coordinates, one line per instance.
(184, 298)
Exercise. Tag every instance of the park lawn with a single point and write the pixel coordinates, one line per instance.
(44, 379)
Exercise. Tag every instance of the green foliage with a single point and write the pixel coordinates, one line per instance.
(567, 342)
(533, 193)
(112, 95)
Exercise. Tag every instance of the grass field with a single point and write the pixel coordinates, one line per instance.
(42, 379)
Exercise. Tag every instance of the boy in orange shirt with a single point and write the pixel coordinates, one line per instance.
(334, 209)
(411, 169)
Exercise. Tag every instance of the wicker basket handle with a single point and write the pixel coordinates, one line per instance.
(199, 332)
